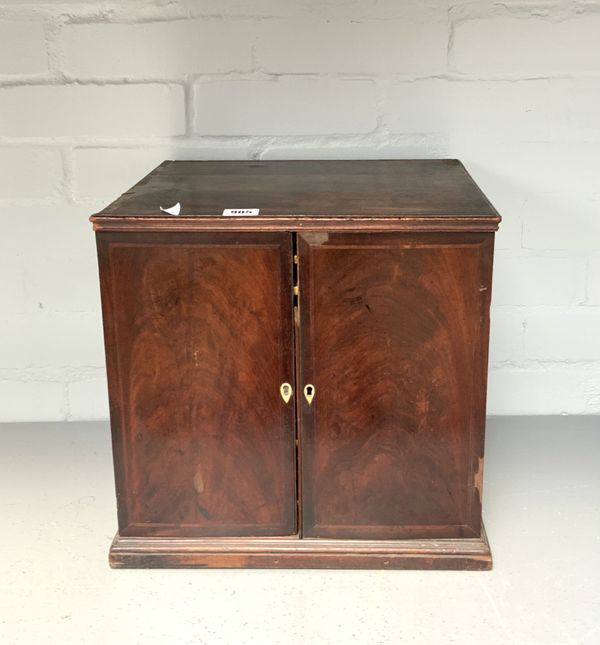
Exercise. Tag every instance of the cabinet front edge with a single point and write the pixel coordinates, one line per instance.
(473, 224)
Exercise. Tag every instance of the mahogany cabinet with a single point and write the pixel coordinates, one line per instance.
(297, 364)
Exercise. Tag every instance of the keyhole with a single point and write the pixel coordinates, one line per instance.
(286, 392)
(309, 393)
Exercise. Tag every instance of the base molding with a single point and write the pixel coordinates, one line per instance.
(293, 553)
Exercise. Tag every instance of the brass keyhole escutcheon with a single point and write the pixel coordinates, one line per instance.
(309, 393)
(286, 392)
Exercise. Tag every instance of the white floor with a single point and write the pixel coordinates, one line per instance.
(542, 512)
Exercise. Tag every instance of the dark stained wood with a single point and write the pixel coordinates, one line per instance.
(394, 338)
(298, 191)
(299, 224)
(199, 338)
(212, 468)
(280, 553)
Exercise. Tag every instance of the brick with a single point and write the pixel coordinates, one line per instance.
(51, 340)
(22, 48)
(411, 10)
(127, 111)
(561, 221)
(526, 45)
(562, 390)
(291, 106)
(527, 111)
(168, 49)
(12, 284)
(517, 177)
(537, 110)
(88, 398)
(352, 46)
(563, 335)
(409, 147)
(583, 126)
(540, 110)
(45, 249)
(416, 106)
(267, 8)
(532, 167)
(48, 229)
(537, 280)
(569, 168)
(46, 290)
(593, 282)
(29, 173)
(29, 400)
(107, 172)
(42, 2)
(506, 335)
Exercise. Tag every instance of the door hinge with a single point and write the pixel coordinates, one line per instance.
(296, 287)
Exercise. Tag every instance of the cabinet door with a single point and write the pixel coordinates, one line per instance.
(199, 338)
(393, 337)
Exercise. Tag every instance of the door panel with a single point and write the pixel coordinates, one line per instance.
(393, 336)
(199, 338)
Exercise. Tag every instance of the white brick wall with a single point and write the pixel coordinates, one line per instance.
(22, 48)
(512, 42)
(593, 282)
(330, 46)
(95, 93)
(168, 50)
(295, 106)
(28, 173)
(92, 111)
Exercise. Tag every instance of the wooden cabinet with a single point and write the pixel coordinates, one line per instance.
(302, 387)
(199, 332)
(391, 335)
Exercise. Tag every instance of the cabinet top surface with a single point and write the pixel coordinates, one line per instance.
(305, 190)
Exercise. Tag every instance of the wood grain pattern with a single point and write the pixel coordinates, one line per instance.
(199, 338)
(280, 553)
(212, 467)
(443, 224)
(394, 338)
(307, 189)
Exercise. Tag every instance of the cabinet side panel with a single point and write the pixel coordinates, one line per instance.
(199, 339)
(394, 338)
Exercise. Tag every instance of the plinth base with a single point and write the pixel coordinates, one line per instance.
(294, 553)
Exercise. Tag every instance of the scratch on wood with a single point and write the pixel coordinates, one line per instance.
(199, 480)
(316, 239)
(478, 477)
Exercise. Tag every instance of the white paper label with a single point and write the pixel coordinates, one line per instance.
(240, 212)
(173, 210)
